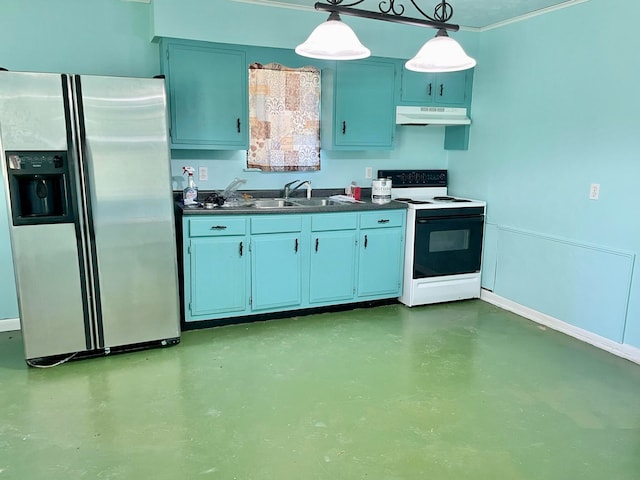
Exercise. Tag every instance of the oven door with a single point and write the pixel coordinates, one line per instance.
(447, 244)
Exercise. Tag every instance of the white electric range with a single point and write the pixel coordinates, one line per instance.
(443, 243)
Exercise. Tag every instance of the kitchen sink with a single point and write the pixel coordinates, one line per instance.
(294, 202)
(273, 203)
(315, 202)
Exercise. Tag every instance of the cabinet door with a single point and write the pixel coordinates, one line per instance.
(447, 89)
(332, 269)
(364, 114)
(218, 275)
(380, 262)
(276, 270)
(207, 96)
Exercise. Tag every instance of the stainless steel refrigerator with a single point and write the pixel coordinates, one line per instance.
(86, 171)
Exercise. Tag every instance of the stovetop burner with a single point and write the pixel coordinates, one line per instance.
(451, 199)
(425, 190)
(412, 201)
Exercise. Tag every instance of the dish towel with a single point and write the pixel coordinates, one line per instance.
(284, 118)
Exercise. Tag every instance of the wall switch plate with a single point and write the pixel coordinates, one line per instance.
(203, 173)
(368, 172)
(594, 191)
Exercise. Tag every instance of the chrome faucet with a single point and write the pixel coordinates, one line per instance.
(288, 189)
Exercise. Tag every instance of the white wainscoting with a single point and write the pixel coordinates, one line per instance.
(585, 285)
(621, 350)
(9, 324)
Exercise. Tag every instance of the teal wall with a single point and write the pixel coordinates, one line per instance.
(555, 108)
(109, 37)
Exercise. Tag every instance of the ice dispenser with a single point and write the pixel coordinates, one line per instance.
(39, 187)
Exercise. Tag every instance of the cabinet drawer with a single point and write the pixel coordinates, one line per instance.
(217, 226)
(382, 219)
(324, 222)
(276, 224)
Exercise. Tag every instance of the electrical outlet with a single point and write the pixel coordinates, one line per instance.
(594, 191)
(368, 172)
(203, 173)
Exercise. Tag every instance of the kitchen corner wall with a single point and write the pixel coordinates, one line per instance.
(555, 109)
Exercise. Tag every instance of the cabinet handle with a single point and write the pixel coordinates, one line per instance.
(366, 241)
(238, 125)
(317, 242)
(430, 90)
(441, 89)
(383, 220)
(219, 227)
(344, 127)
(241, 248)
(296, 247)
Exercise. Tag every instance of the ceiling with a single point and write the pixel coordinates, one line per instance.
(470, 14)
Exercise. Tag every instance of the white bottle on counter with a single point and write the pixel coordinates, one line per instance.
(190, 193)
(381, 190)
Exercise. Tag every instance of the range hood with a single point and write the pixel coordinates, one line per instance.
(409, 115)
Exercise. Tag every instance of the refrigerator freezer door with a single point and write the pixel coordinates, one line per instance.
(48, 279)
(127, 167)
(46, 260)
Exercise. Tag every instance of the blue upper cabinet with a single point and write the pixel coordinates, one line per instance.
(358, 107)
(208, 95)
(431, 89)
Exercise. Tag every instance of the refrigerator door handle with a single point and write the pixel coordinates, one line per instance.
(75, 180)
(85, 216)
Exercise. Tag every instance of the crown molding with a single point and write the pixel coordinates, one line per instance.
(542, 11)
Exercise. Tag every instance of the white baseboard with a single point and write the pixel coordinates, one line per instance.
(9, 324)
(620, 349)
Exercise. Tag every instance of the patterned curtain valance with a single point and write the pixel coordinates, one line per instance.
(284, 118)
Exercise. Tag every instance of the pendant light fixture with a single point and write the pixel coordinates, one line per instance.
(440, 54)
(334, 40)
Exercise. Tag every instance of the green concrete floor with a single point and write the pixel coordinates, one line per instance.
(452, 391)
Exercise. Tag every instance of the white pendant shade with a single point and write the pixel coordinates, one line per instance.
(441, 54)
(333, 40)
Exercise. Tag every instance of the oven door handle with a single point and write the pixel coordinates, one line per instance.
(472, 218)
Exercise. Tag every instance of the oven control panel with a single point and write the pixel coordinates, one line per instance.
(415, 178)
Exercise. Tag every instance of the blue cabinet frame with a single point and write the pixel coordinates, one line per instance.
(240, 265)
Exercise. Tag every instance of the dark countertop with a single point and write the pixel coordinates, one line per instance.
(366, 204)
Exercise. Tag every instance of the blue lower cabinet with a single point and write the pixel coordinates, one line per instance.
(381, 254)
(239, 265)
(276, 262)
(216, 267)
(332, 267)
(218, 276)
(276, 271)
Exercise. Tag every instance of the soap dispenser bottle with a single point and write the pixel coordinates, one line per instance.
(190, 193)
